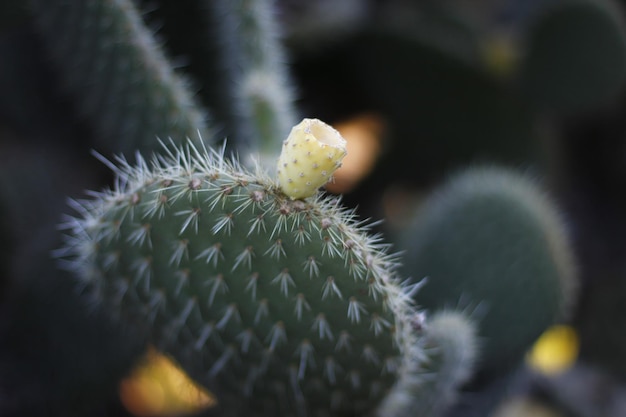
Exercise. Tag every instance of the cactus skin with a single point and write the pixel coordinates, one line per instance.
(286, 305)
(121, 80)
(491, 239)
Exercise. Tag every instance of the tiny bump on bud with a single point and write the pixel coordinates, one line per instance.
(257, 196)
(195, 183)
(226, 190)
(284, 209)
(135, 198)
(298, 206)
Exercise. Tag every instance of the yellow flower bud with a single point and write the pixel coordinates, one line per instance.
(310, 155)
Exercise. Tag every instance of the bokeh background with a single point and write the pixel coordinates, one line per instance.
(420, 89)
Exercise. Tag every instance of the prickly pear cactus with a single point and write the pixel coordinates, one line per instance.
(491, 239)
(286, 304)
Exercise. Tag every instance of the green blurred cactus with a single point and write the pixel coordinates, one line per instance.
(490, 240)
(261, 88)
(231, 51)
(122, 81)
(450, 344)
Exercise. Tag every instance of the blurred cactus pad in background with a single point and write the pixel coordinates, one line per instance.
(402, 208)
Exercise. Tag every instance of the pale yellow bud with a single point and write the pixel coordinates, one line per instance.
(311, 154)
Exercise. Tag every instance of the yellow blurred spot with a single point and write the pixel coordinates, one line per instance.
(363, 135)
(555, 351)
(500, 55)
(159, 388)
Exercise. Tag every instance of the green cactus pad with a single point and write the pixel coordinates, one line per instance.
(233, 48)
(122, 83)
(285, 305)
(491, 242)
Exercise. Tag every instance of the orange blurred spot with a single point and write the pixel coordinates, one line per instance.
(399, 204)
(159, 388)
(363, 135)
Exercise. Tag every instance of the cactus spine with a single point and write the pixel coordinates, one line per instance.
(289, 305)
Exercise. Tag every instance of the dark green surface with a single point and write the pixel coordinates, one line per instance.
(119, 77)
(575, 56)
(489, 242)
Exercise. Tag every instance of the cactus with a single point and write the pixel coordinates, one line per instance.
(289, 305)
(490, 243)
(119, 75)
(260, 88)
(233, 54)
(490, 240)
